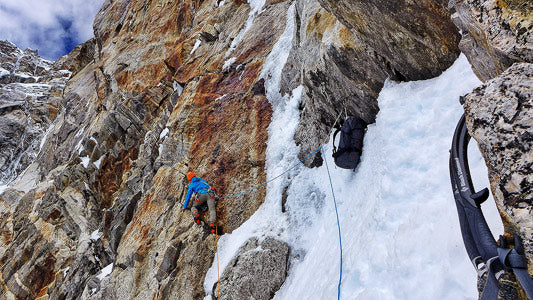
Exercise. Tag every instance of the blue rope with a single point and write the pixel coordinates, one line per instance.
(338, 225)
(255, 188)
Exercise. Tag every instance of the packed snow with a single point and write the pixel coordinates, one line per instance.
(98, 162)
(33, 90)
(95, 235)
(177, 88)
(85, 160)
(228, 63)
(400, 230)
(3, 72)
(221, 98)
(94, 140)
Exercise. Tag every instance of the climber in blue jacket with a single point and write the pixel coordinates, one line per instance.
(204, 193)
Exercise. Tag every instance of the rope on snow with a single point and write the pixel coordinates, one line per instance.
(338, 225)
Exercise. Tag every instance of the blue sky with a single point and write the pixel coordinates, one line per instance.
(53, 27)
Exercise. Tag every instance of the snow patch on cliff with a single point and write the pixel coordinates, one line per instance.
(105, 272)
(196, 45)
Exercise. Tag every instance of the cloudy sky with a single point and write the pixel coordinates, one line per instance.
(53, 27)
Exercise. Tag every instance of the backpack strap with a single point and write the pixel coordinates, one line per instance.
(333, 141)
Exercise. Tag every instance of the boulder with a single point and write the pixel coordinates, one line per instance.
(257, 271)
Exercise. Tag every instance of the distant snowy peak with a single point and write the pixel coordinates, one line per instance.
(28, 86)
(22, 66)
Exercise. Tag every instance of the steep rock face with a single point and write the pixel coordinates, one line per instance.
(344, 51)
(174, 87)
(30, 99)
(78, 58)
(495, 33)
(499, 118)
(417, 39)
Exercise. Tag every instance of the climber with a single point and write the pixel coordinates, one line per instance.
(204, 193)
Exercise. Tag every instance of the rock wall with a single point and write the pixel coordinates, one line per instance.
(170, 89)
(257, 271)
(499, 117)
(497, 35)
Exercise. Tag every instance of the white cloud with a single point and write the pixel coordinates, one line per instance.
(52, 26)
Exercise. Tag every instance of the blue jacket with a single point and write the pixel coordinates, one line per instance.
(198, 186)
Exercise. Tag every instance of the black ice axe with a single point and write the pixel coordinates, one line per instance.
(483, 251)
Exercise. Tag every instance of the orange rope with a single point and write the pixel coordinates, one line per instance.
(218, 265)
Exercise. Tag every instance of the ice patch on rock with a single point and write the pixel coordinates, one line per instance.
(256, 6)
(177, 88)
(98, 163)
(95, 235)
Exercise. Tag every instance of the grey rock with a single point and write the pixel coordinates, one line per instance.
(257, 271)
(495, 34)
(78, 58)
(28, 105)
(413, 40)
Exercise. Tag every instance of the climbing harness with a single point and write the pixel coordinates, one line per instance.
(486, 255)
(338, 226)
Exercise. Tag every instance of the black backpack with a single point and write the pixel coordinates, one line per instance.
(351, 143)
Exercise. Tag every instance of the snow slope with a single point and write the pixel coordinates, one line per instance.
(400, 231)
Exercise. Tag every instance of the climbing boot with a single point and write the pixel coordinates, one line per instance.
(197, 218)
(213, 228)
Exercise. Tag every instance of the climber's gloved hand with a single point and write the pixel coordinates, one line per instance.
(184, 209)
